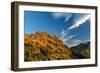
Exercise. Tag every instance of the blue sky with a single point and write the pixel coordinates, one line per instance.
(71, 28)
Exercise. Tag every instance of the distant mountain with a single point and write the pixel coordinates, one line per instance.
(81, 51)
(42, 46)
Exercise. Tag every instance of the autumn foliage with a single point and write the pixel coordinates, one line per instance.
(42, 46)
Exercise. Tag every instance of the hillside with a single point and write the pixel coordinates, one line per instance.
(81, 51)
(42, 46)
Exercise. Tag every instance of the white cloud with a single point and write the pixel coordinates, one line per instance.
(58, 15)
(63, 34)
(68, 38)
(68, 16)
(74, 43)
(80, 21)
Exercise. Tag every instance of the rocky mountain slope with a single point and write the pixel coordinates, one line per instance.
(42, 46)
(81, 51)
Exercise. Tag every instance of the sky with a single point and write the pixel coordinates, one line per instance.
(71, 28)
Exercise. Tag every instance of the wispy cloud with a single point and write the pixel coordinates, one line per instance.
(63, 34)
(58, 15)
(68, 38)
(65, 37)
(74, 43)
(79, 21)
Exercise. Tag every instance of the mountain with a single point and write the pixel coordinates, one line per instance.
(81, 51)
(42, 46)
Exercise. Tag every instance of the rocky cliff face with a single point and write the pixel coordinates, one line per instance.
(42, 46)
